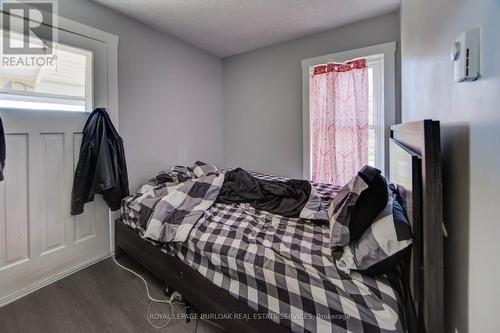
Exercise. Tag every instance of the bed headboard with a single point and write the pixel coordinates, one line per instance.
(415, 166)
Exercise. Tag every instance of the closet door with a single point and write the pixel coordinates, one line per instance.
(39, 240)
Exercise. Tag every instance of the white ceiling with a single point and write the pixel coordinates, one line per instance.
(227, 27)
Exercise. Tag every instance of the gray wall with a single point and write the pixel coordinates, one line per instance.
(170, 94)
(263, 94)
(470, 120)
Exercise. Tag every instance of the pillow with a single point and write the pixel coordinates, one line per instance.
(356, 206)
(383, 245)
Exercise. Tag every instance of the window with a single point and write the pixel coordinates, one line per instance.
(375, 110)
(64, 86)
(378, 64)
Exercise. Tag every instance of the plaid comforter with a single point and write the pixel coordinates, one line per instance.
(168, 206)
(284, 269)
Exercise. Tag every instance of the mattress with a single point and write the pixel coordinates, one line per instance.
(283, 268)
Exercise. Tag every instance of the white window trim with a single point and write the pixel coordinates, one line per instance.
(388, 50)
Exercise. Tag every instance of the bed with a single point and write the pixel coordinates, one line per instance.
(254, 271)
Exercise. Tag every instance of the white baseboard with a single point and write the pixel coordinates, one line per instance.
(23, 292)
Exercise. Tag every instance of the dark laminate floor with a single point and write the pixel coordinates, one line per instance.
(100, 298)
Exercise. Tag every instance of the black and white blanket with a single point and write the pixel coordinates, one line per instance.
(167, 207)
(283, 268)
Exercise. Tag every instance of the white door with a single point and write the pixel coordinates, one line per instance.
(39, 240)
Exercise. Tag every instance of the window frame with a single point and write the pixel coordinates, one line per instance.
(387, 105)
(376, 63)
(30, 97)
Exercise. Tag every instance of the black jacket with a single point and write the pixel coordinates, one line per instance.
(101, 166)
(2, 150)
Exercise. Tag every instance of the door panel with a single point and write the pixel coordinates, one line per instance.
(85, 227)
(14, 202)
(39, 239)
(52, 192)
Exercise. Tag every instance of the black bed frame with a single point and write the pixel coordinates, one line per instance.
(415, 166)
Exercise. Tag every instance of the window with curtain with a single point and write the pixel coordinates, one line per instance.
(345, 118)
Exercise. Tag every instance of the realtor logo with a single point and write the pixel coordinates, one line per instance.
(33, 22)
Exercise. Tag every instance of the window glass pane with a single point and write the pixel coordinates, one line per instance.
(370, 96)
(371, 117)
(371, 147)
(63, 86)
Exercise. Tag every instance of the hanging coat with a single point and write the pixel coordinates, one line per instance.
(2, 150)
(101, 166)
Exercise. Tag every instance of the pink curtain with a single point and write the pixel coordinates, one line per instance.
(339, 121)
